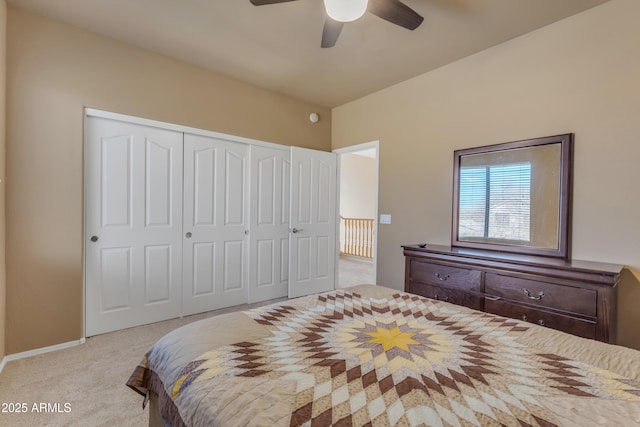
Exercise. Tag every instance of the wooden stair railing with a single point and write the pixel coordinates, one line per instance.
(358, 237)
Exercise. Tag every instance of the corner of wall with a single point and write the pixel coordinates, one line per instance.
(3, 304)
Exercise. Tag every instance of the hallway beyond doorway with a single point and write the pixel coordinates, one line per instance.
(354, 271)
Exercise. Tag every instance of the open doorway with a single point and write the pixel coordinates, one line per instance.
(358, 210)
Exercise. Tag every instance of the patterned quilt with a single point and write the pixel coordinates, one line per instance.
(344, 358)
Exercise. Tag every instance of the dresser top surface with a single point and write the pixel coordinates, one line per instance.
(587, 266)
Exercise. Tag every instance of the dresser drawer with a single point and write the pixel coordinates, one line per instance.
(446, 294)
(544, 294)
(578, 297)
(580, 327)
(438, 274)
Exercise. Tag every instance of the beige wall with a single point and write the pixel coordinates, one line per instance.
(3, 33)
(357, 186)
(578, 75)
(53, 71)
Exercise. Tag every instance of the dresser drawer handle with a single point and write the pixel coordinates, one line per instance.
(541, 322)
(444, 298)
(537, 298)
(442, 277)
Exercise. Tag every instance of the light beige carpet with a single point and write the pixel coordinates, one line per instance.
(86, 383)
(353, 271)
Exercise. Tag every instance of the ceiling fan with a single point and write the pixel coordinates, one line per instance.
(341, 11)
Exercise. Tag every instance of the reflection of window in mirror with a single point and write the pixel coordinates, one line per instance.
(495, 202)
(514, 197)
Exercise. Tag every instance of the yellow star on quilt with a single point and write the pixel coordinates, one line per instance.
(390, 338)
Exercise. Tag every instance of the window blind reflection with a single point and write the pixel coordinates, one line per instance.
(495, 202)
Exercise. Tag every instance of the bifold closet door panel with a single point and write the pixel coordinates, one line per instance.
(269, 235)
(180, 222)
(133, 225)
(312, 240)
(215, 224)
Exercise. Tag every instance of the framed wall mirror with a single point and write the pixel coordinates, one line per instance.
(514, 197)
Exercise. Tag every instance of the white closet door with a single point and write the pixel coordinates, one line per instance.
(133, 202)
(269, 235)
(215, 224)
(313, 222)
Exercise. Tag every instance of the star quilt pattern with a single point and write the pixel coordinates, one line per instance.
(403, 360)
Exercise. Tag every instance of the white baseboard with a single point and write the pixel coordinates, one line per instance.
(37, 351)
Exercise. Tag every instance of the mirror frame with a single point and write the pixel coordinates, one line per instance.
(564, 205)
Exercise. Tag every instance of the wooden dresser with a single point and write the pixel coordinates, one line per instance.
(577, 297)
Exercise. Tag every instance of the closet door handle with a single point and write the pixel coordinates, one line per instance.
(296, 230)
(188, 235)
(94, 239)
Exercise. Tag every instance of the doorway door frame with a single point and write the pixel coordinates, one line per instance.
(350, 150)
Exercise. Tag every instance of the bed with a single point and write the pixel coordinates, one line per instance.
(370, 355)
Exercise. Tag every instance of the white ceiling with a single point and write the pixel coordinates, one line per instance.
(278, 46)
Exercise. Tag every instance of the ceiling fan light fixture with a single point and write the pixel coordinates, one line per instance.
(345, 10)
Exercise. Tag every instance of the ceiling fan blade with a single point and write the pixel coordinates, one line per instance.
(396, 12)
(263, 2)
(331, 32)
